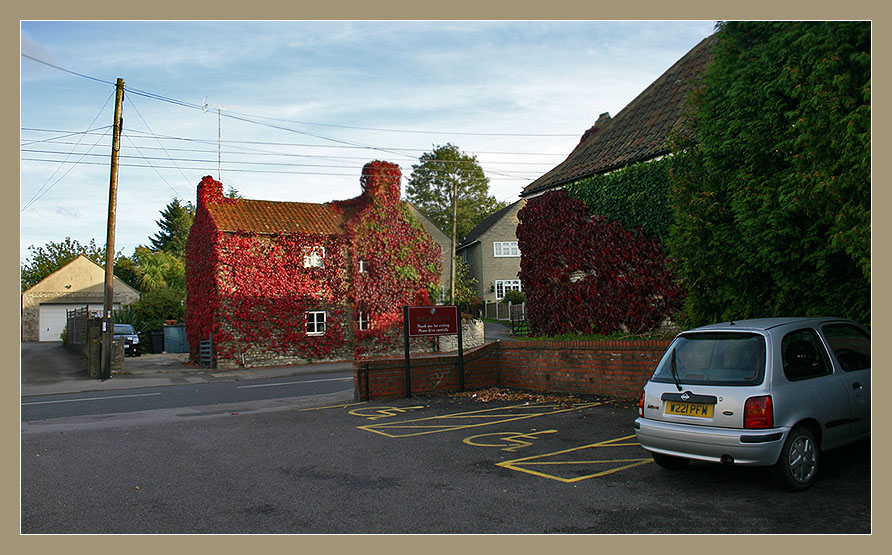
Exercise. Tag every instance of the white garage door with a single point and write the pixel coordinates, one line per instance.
(53, 318)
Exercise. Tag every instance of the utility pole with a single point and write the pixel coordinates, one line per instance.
(454, 225)
(108, 325)
(204, 107)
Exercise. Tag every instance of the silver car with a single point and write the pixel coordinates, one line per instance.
(771, 392)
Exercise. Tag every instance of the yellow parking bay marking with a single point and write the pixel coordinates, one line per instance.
(575, 468)
(508, 441)
(342, 406)
(465, 420)
(374, 413)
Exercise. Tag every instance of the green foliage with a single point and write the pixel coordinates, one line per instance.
(514, 297)
(125, 270)
(176, 219)
(773, 212)
(464, 283)
(158, 305)
(159, 269)
(43, 261)
(637, 196)
(432, 183)
(130, 314)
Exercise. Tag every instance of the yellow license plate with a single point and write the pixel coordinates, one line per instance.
(689, 409)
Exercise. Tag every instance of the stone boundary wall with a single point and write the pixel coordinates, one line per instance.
(611, 368)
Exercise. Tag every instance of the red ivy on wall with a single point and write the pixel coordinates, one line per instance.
(252, 291)
(401, 262)
(582, 274)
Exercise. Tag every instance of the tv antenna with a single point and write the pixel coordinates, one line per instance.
(219, 107)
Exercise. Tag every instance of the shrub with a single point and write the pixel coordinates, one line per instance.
(583, 274)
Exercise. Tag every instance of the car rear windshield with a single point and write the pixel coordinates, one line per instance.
(124, 329)
(714, 358)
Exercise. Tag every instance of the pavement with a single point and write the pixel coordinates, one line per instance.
(49, 368)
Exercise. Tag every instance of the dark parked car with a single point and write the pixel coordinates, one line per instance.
(130, 337)
(773, 392)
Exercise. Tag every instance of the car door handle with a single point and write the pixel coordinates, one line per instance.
(857, 386)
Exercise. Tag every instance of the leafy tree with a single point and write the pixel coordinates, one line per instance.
(159, 305)
(772, 217)
(159, 270)
(450, 188)
(176, 219)
(434, 180)
(125, 269)
(43, 261)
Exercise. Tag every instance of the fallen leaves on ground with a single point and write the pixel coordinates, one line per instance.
(498, 394)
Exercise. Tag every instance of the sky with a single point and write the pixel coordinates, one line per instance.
(291, 111)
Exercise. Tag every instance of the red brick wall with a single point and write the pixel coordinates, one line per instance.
(612, 368)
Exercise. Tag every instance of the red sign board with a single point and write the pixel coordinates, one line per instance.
(432, 320)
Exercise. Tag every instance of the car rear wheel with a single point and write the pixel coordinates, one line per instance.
(797, 466)
(670, 462)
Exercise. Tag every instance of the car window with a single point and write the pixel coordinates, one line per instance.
(715, 358)
(850, 344)
(123, 329)
(804, 356)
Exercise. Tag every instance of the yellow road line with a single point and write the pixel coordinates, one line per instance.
(525, 464)
(333, 406)
(491, 416)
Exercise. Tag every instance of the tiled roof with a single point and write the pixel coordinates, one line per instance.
(483, 226)
(271, 217)
(638, 132)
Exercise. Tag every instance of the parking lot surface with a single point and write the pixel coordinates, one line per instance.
(421, 465)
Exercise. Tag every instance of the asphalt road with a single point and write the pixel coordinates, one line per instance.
(420, 465)
(42, 407)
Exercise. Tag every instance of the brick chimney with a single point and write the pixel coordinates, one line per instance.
(210, 191)
(603, 120)
(381, 181)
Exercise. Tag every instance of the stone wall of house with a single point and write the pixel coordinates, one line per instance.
(499, 268)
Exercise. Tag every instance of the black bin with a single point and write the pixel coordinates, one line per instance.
(157, 341)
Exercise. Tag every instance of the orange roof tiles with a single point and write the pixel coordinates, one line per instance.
(273, 217)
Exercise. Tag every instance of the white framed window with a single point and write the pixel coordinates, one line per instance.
(505, 285)
(501, 249)
(362, 320)
(363, 266)
(316, 322)
(314, 257)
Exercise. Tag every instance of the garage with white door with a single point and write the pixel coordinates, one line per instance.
(53, 317)
(78, 284)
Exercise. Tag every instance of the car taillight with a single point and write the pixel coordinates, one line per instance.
(758, 412)
(641, 404)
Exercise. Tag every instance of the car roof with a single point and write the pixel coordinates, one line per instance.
(765, 324)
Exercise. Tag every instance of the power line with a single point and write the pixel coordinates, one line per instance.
(253, 118)
(204, 169)
(308, 145)
(413, 131)
(259, 153)
(159, 143)
(44, 189)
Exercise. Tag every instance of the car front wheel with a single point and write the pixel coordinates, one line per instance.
(797, 466)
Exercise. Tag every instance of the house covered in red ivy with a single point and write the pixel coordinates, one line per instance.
(276, 283)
